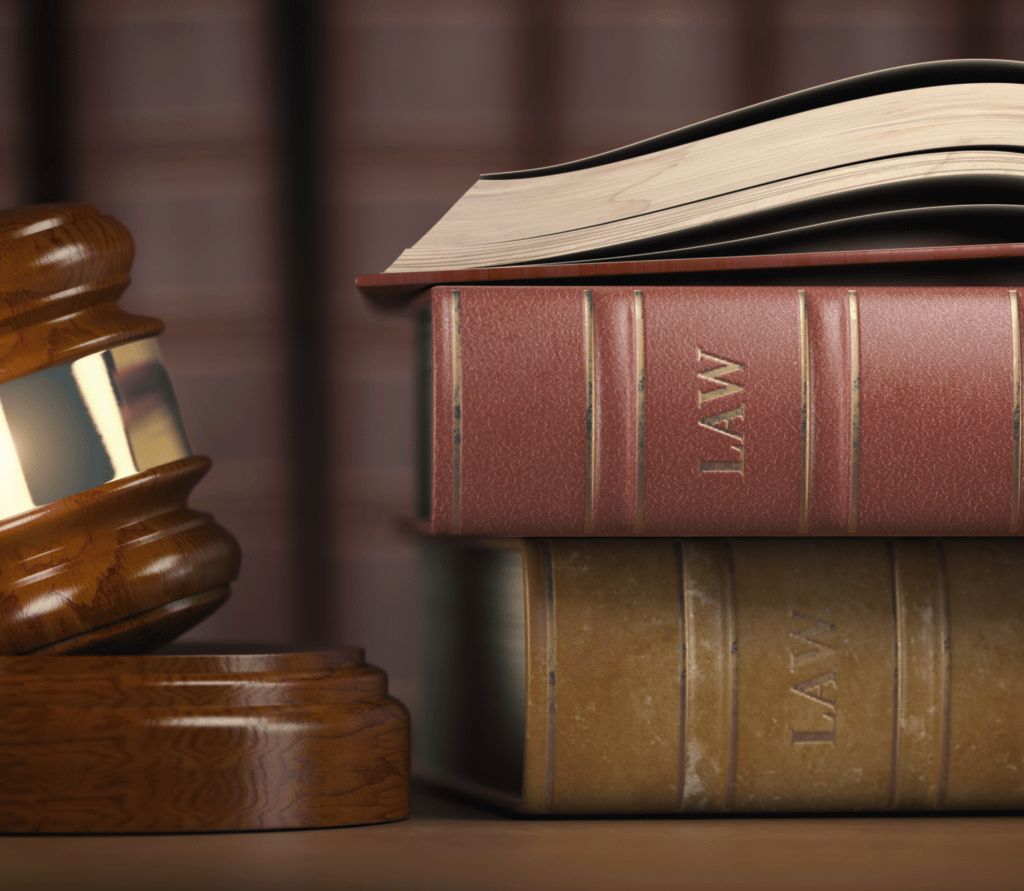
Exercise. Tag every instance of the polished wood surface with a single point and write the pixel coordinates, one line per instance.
(94, 742)
(126, 566)
(144, 631)
(133, 564)
(62, 269)
(449, 846)
(199, 743)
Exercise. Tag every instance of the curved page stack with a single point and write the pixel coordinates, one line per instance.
(917, 156)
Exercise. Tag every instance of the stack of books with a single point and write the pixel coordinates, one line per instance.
(721, 461)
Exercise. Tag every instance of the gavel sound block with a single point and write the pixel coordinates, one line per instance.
(190, 743)
(101, 560)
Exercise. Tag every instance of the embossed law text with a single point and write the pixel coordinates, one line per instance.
(821, 689)
(728, 443)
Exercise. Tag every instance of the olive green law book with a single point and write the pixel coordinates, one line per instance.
(627, 676)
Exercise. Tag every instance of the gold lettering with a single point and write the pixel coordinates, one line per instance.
(723, 466)
(818, 627)
(712, 423)
(726, 418)
(713, 375)
(814, 688)
(796, 737)
(723, 421)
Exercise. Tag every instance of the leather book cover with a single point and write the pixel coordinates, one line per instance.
(729, 677)
(726, 411)
(572, 676)
(949, 264)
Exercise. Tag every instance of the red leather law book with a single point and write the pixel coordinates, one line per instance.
(740, 410)
(955, 263)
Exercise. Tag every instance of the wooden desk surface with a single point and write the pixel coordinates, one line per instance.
(450, 845)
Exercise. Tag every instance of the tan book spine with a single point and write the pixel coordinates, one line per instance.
(773, 675)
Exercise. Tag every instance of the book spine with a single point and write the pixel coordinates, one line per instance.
(673, 411)
(724, 675)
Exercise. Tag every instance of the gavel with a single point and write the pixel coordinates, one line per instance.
(99, 552)
(101, 561)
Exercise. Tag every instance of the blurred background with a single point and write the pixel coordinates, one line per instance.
(265, 153)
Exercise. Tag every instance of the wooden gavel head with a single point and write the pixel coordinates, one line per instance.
(98, 551)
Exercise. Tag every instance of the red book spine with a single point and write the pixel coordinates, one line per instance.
(684, 411)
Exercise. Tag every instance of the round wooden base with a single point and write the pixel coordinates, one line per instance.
(197, 743)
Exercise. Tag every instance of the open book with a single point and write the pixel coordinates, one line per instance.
(924, 155)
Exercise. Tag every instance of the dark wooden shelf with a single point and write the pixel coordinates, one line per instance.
(451, 845)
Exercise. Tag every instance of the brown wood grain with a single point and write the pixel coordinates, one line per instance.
(197, 743)
(447, 845)
(126, 566)
(62, 268)
(100, 570)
